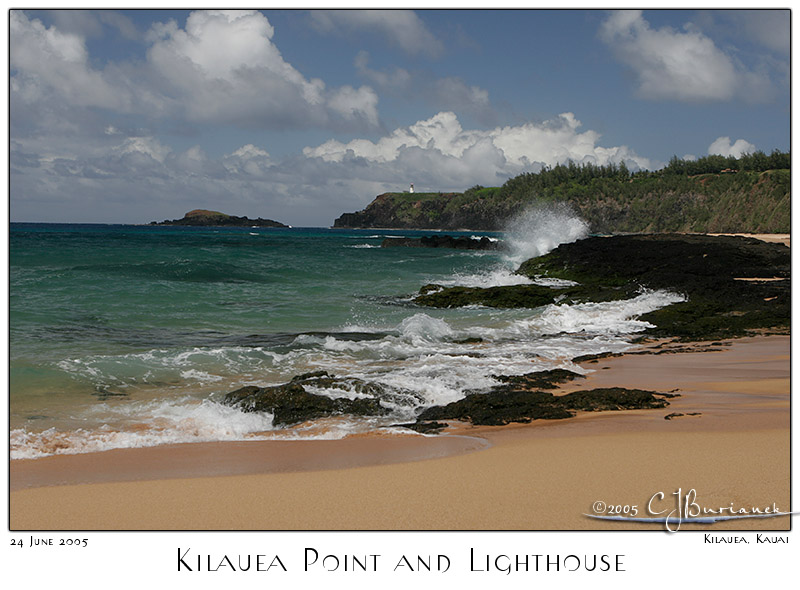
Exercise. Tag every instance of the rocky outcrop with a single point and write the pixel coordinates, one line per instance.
(429, 211)
(296, 401)
(521, 399)
(517, 296)
(733, 285)
(204, 217)
(518, 398)
(445, 241)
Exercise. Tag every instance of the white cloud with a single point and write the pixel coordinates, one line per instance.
(144, 145)
(673, 65)
(355, 104)
(548, 143)
(248, 160)
(402, 28)
(46, 60)
(723, 147)
(221, 68)
(224, 67)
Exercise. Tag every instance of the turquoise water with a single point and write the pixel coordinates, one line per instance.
(129, 335)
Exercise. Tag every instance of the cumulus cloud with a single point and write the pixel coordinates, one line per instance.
(402, 28)
(674, 65)
(44, 60)
(222, 67)
(512, 147)
(722, 146)
(225, 66)
(148, 146)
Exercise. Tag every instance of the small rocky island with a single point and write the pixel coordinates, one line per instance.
(204, 217)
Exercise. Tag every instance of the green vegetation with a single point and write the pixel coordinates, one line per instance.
(710, 194)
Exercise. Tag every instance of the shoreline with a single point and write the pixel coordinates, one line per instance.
(539, 476)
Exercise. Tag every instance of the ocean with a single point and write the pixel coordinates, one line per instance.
(129, 336)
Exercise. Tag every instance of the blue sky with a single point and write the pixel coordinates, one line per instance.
(299, 116)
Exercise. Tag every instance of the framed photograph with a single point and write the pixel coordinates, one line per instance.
(399, 295)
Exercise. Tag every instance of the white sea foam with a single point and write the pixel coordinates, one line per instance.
(422, 327)
(145, 424)
(422, 361)
(196, 365)
(498, 276)
(534, 232)
(611, 317)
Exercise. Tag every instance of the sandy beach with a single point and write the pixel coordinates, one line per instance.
(731, 446)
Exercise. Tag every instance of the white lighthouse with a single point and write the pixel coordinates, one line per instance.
(411, 188)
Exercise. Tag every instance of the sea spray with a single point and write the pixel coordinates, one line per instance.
(533, 232)
(540, 229)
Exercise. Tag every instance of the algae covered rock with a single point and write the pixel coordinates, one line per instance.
(502, 405)
(518, 398)
(444, 241)
(295, 402)
(503, 297)
(732, 285)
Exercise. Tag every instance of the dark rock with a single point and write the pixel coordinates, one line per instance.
(613, 398)
(593, 358)
(518, 399)
(502, 406)
(498, 408)
(705, 269)
(503, 297)
(516, 296)
(104, 394)
(537, 380)
(444, 241)
(678, 414)
(430, 288)
(423, 427)
(290, 403)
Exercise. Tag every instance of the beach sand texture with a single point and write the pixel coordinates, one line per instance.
(541, 476)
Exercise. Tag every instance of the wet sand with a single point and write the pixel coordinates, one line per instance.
(541, 476)
(784, 239)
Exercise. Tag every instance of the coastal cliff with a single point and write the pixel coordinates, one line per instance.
(204, 217)
(713, 194)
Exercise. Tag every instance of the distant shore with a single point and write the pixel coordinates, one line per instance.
(542, 476)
